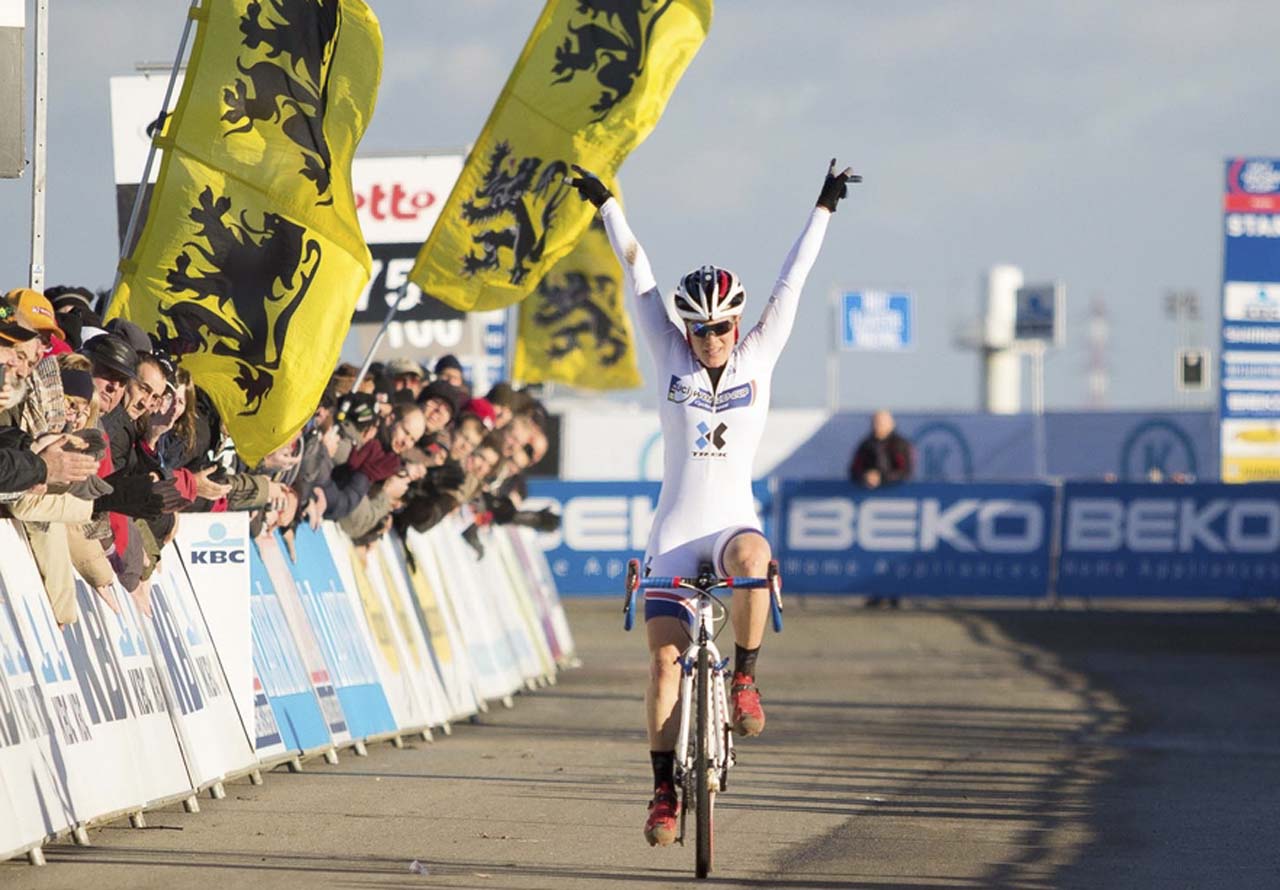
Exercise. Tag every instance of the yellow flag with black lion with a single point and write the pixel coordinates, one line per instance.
(589, 86)
(252, 259)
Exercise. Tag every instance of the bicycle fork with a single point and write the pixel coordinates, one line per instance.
(719, 735)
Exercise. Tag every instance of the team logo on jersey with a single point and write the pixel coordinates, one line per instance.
(741, 396)
(710, 441)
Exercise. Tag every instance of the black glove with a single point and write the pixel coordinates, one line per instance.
(503, 510)
(590, 188)
(447, 476)
(131, 495)
(540, 520)
(836, 186)
(471, 535)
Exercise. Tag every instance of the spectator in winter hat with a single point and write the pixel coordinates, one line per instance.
(440, 401)
(483, 410)
(449, 369)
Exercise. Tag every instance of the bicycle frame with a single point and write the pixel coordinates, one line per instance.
(720, 756)
(704, 753)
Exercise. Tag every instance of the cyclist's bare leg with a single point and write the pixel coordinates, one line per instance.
(668, 638)
(747, 556)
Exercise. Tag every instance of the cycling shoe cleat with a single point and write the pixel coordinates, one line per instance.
(748, 715)
(661, 827)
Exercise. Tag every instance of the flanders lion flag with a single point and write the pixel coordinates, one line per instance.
(589, 86)
(252, 259)
(574, 328)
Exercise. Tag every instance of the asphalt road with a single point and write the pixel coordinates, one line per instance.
(924, 748)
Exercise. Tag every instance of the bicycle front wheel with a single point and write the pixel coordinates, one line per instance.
(702, 765)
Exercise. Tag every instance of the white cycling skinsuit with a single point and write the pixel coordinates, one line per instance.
(710, 434)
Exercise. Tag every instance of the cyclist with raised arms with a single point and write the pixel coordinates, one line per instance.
(714, 389)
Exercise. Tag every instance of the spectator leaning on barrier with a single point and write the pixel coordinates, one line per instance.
(440, 402)
(449, 369)
(406, 374)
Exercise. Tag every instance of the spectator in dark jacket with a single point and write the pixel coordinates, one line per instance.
(883, 457)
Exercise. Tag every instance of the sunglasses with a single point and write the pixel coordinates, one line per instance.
(719, 328)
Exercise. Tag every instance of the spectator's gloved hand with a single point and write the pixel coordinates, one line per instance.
(447, 476)
(172, 499)
(132, 496)
(589, 187)
(836, 186)
(503, 510)
(471, 535)
(539, 520)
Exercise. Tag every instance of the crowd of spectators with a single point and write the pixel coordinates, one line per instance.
(105, 442)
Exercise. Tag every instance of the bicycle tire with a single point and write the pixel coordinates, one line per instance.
(702, 767)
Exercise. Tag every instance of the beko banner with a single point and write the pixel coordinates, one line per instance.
(1170, 540)
(949, 540)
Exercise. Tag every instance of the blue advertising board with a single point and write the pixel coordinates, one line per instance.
(603, 524)
(1170, 540)
(1249, 366)
(932, 539)
(876, 320)
(298, 723)
(330, 611)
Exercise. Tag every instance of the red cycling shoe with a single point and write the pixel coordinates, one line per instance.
(661, 827)
(748, 715)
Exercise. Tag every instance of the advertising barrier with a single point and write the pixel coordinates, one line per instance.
(214, 740)
(287, 712)
(1170, 540)
(333, 645)
(215, 554)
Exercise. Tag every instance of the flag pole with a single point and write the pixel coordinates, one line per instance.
(40, 119)
(127, 246)
(382, 332)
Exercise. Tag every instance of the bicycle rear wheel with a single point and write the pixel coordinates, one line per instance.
(702, 766)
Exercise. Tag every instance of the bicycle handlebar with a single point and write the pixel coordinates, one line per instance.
(693, 583)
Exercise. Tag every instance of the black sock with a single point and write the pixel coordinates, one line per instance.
(664, 767)
(744, 660)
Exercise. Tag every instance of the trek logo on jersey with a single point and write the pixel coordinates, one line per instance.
(710, 441)
(740, 396)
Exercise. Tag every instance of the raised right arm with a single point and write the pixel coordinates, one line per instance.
(651, 314)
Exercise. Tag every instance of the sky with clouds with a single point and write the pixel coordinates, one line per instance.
(1082, 141)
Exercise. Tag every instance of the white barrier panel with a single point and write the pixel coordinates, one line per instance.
(497, 674)
(534, 561)
(510, 588)
(215, 552)
(34, 803)
(323, 683)
(437, 615)
(156, 748)
(388, 650)
(84, 699)
(214, 740)
(395, 586)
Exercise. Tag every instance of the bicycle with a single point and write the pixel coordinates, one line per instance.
(704, 749)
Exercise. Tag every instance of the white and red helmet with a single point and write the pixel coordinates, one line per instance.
(710, 293)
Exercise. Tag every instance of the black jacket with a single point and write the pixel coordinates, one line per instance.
(20, 467)
(891, 456)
